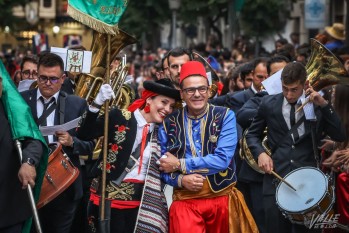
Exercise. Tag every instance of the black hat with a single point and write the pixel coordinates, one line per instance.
(162, 87)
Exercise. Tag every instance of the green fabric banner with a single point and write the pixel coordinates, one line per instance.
(238, 5)
(22, 126)
(101, 15)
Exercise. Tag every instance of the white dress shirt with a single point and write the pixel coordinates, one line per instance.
(40, 108)
(286, 108)
(141, 122)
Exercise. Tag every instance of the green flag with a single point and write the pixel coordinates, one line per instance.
(100, 15)
(22, 126)
(238, 5)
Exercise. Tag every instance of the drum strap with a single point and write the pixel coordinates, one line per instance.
(46, 113)
(132, 162)
(62, 97)
(313, 138)
(293, 128)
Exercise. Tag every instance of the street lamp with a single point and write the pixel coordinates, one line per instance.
(174, 6)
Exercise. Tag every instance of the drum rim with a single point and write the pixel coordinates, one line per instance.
(305, 210)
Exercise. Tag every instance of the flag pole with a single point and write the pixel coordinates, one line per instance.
(104, 222)
(29, 191)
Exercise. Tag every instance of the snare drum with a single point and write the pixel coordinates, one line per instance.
(314, 195)
(60, 174)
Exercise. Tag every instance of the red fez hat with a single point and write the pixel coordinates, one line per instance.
(192, 68)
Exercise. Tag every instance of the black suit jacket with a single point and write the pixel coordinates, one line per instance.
(236, 101)
(244, 118)
(14, 202)
(68, 87)
(248, 111)
(74, 108)
(287, 155)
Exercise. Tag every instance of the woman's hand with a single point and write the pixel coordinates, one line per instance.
(327, 145)
(337, 159)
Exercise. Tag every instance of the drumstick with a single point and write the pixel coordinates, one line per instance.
(283, 180)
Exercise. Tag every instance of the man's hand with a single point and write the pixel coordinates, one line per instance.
(169, 164)
(27, 175)
(316, 98)
(265, 163)
(64, 138)
(193, 182)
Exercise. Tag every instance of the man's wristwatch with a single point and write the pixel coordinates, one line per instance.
(30, 161)
(93, 104)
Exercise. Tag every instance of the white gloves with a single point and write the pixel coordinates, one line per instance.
(105, 93)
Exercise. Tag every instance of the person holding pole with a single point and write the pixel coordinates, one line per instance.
(15, 174)
(133, 183)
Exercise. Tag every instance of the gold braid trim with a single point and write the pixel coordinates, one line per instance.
(126, 114)
(93, 23)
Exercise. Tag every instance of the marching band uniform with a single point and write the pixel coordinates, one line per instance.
(133, 179)
(57, 215)
(204, 145)
(288, 155)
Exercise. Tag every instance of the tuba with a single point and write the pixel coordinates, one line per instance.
(246, 154)
(89, 84)
(323, 69)
(213, 87)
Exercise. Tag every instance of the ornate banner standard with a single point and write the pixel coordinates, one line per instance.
(100, 15)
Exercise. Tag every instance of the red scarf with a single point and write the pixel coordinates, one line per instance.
(141, 102)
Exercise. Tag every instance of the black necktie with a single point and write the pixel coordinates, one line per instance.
(46, 105)
(293, 121)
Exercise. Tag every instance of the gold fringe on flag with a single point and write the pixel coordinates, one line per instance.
(93, 23)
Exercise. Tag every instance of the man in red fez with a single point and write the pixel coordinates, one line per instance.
(198, 144)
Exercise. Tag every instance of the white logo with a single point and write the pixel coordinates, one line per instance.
(322, 221)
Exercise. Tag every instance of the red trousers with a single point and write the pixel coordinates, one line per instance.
(204, 215)
(342, 195)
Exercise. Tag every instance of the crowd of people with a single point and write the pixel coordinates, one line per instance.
(181, 132)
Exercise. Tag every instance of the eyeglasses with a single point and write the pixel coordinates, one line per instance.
(44, 79)
(192, 90)
(27, 73)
